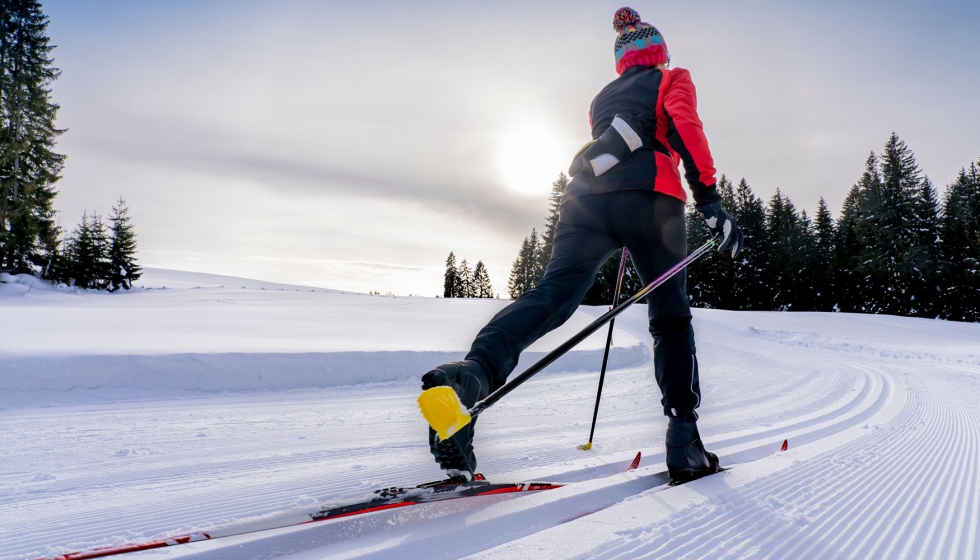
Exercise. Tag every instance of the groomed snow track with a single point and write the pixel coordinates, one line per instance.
(882, 461)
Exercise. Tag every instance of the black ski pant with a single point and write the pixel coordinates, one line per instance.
(590, 229)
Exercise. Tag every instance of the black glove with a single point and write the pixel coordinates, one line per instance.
(722, 224)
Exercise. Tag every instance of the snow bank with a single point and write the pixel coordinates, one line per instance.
(191, 333)
(34, 380)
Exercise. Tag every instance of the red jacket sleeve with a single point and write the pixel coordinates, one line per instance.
(685, 134)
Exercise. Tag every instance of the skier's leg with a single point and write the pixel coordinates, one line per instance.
(652, 226)
(580, 247)
(582, 244)
(657, 240)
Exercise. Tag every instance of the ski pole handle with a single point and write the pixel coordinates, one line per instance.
(550, 357)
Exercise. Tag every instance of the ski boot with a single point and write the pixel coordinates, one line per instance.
(455, 455)
(687, 459)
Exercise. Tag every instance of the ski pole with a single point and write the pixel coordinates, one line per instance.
(605, 354)
(445, 413)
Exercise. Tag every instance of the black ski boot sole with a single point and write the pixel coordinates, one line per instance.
(683, 477)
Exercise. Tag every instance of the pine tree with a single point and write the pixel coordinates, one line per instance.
(806, 255)
(102, 245)
(551, 223)
(524, 270)
(786, 268)
(123, 269)
(749, 288)
(893, 220)
(29, 168)
(822, 272)
(465, 285)
(515, 283)
(89, 244)
(895, 235)
(481, 281)
(450, 285)
(960, 246)
(874, 264)
(700, 288)
(850, 285)
(922, 260)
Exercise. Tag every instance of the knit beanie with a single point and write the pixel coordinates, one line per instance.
(638, 43)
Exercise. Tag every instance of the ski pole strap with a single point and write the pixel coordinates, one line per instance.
(587, 331)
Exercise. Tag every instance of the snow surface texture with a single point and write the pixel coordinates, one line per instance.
(880, 413)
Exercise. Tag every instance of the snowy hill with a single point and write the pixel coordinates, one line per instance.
(202, 407)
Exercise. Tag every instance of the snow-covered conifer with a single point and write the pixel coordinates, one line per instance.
(822, 272)
(749, 286)
(464, 289)
(481, 281)
(524, 270)
(123, 269)
(450, 285)
(960, 245)
(551, 223)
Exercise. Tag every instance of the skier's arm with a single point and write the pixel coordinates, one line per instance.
(685, 134)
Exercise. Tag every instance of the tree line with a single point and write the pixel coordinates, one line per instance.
(896, 247)
(94, 255)
(461, 281)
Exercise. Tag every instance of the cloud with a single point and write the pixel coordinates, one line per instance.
(331, 263)
(446, 187)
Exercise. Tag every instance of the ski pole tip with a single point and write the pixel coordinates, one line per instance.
(443, 411)
(585, 446)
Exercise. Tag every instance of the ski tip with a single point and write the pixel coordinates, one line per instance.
(636, 462)
(785, 445)
(585, 446)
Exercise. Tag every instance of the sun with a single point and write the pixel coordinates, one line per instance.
(529, 159)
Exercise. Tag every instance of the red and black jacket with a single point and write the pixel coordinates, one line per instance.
(664, 103)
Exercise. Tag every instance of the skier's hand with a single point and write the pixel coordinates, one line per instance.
(723, 225)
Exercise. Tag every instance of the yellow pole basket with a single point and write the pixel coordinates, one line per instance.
(442, 410)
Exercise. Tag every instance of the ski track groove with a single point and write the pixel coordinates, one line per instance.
(694, 520)
(851, 502)
(83, 526)
(863, 399)
(702, 538)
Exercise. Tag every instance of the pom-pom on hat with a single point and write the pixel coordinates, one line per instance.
(638, 43)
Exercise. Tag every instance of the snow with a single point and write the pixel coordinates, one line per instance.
(211, 334)
(160, 412)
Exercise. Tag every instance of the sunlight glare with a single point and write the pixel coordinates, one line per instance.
(529, 159)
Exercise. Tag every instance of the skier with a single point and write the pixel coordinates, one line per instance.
(625, 191)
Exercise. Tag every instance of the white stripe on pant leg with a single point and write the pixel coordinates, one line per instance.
(694, 364)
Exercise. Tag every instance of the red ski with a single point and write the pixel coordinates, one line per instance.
(387, 498)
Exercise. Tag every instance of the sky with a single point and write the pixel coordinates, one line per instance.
(353, 145)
